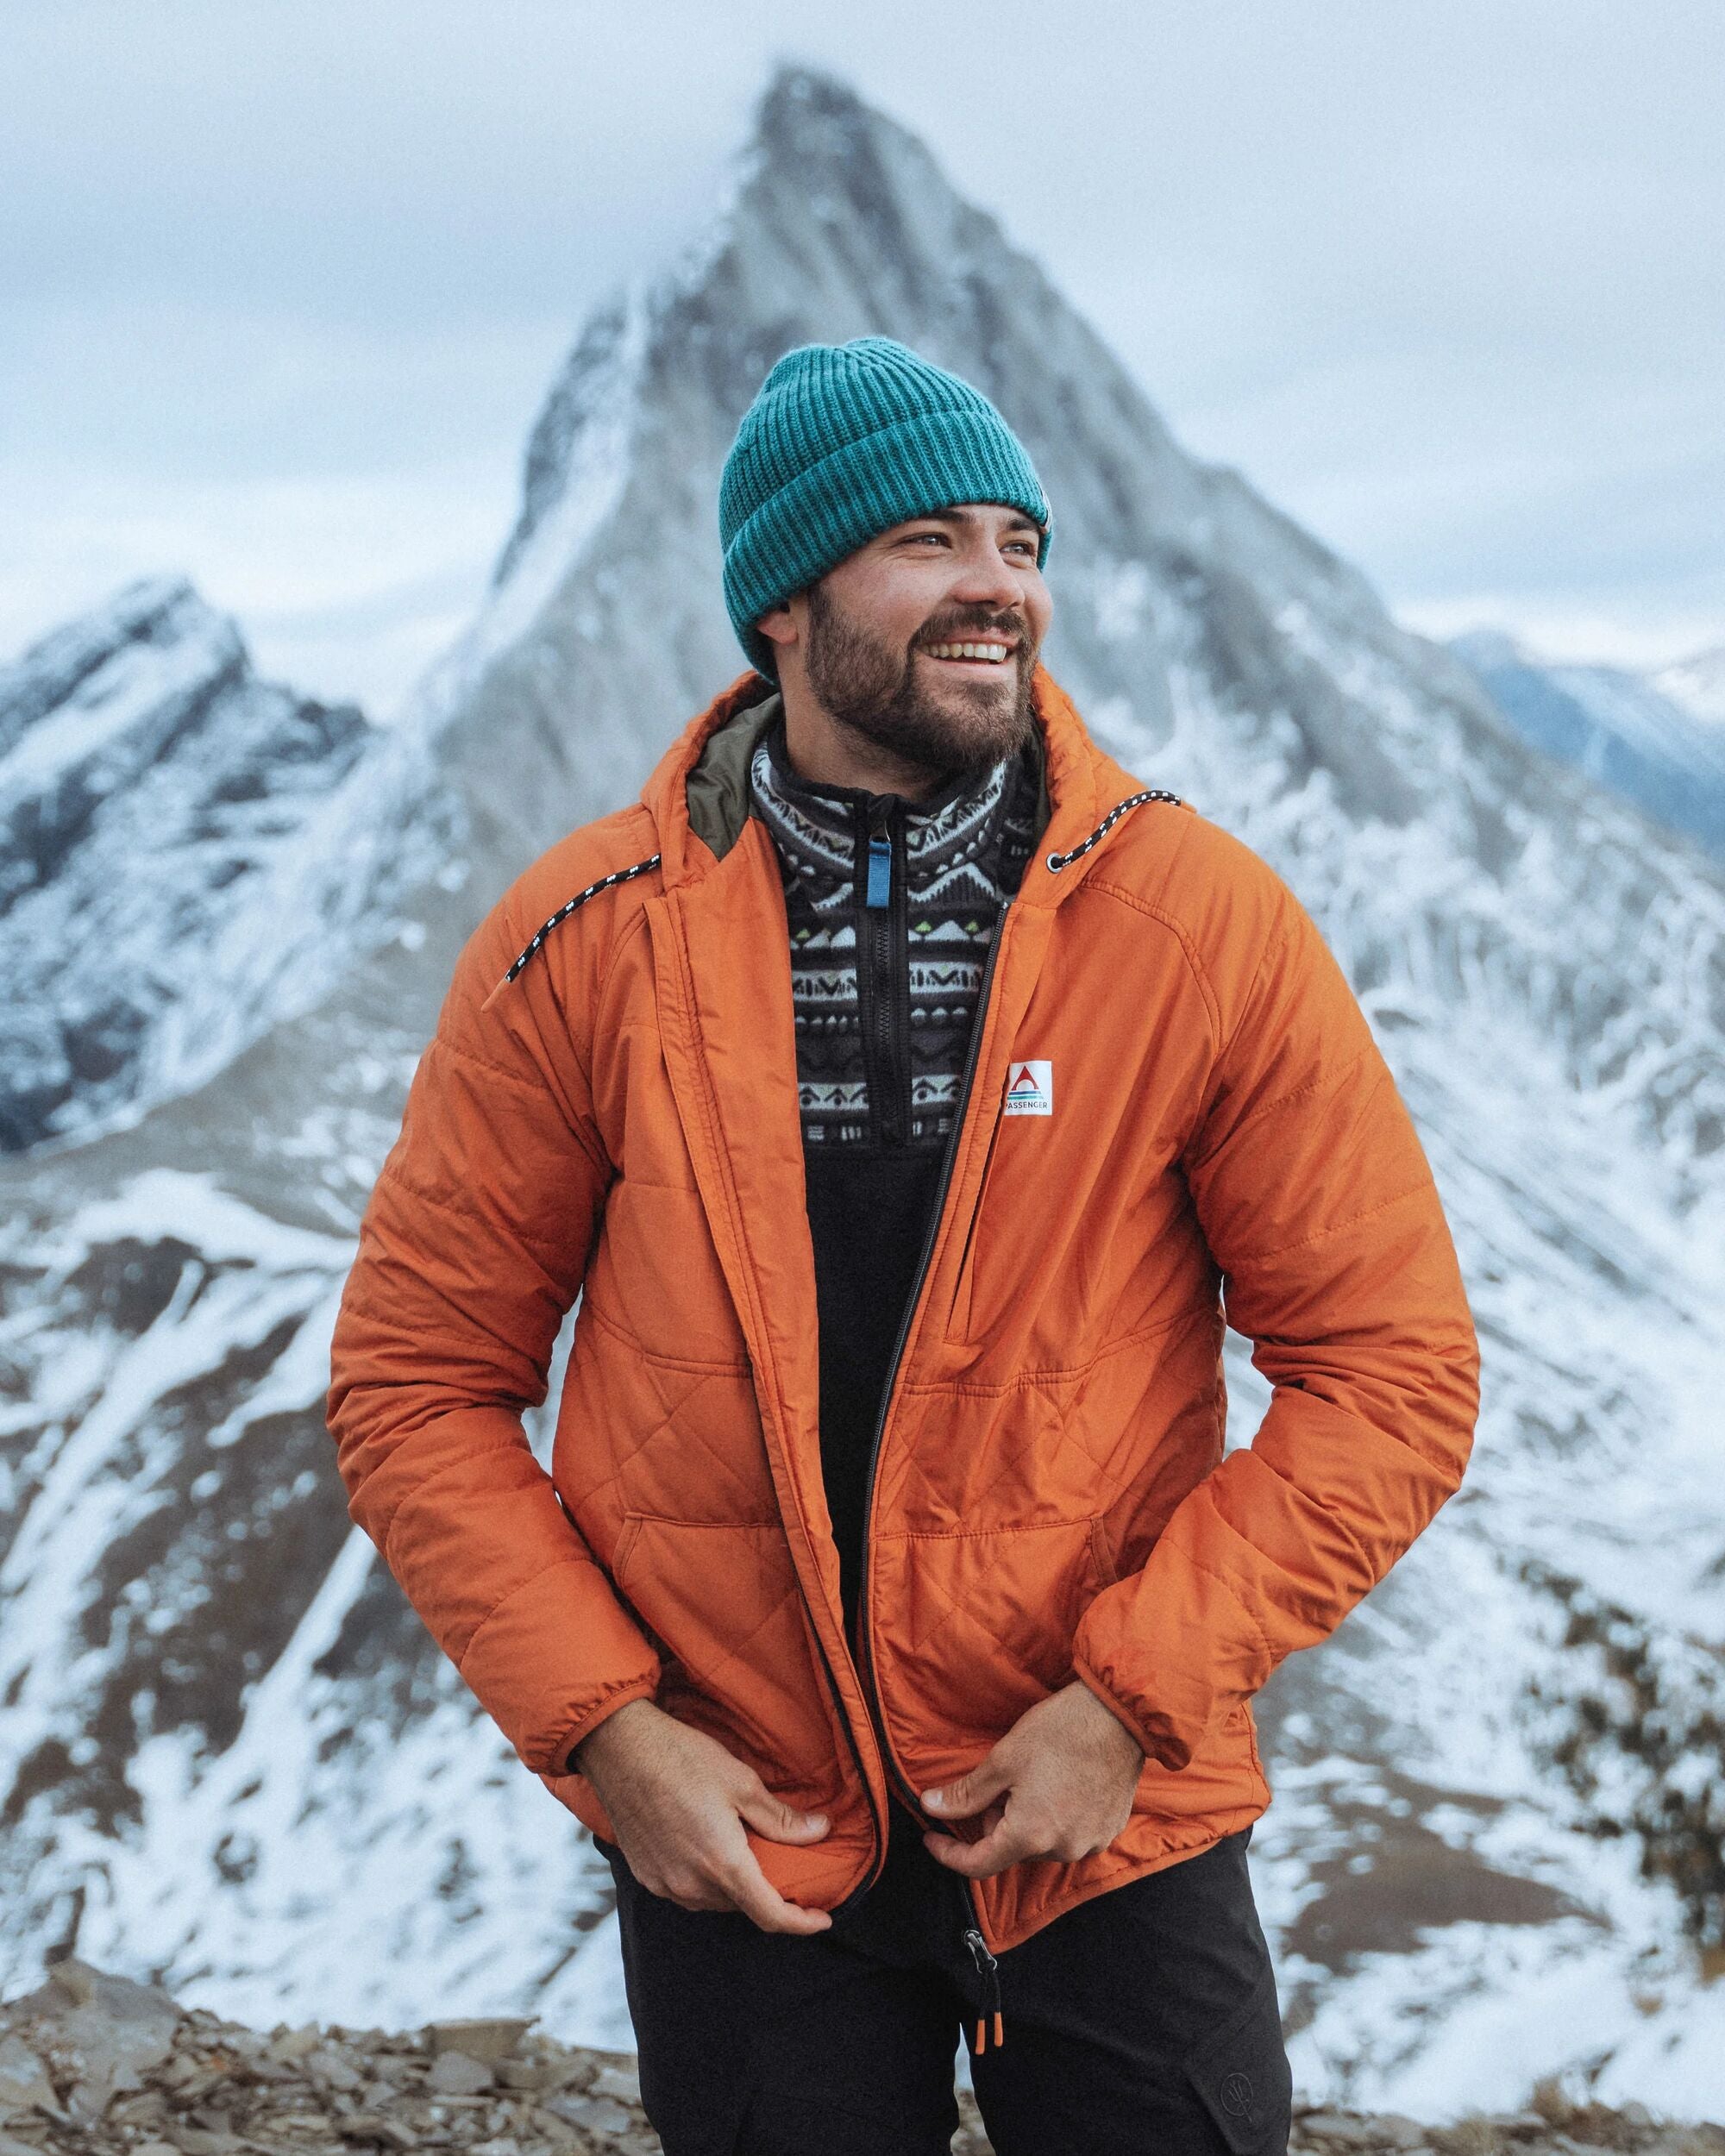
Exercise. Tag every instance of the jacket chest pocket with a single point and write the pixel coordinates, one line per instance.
(961, 1305)
(1077, 1235)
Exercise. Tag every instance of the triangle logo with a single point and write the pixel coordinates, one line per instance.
(1030, 1088)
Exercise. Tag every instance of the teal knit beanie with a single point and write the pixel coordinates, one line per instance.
(844, 441)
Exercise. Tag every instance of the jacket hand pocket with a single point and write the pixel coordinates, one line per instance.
(721, 1601)
(1242, 2074)
(991, 1616)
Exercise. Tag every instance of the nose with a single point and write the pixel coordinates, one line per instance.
(986, 578)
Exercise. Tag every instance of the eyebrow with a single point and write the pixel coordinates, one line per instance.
(956, 517)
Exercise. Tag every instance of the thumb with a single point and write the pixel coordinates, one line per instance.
(779, 1822)
(968, 1793)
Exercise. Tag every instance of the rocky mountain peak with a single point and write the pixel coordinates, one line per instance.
(155, 613)
(229, 1752)
(154, 794)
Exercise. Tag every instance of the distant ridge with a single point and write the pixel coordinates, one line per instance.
(1650, 738)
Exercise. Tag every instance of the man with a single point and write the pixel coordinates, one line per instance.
(906, 1089)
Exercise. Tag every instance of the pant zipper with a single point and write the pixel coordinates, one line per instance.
(989, 1969)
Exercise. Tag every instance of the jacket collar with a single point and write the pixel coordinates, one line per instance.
(814, 823)
(697, 792)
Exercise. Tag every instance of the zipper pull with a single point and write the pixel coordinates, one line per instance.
(878, 830)
(986, 1968)
(880, 888)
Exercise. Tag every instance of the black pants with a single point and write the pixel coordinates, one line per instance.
(1144, 2019)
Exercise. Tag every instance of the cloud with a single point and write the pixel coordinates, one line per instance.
(1441, 281)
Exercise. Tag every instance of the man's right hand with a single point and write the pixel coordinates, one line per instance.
(677, 1801)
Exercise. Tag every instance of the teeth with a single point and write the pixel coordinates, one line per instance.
(994, 653)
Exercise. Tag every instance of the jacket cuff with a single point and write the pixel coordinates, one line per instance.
(593, 1715)
(1121, 1712)
(1209, 1651)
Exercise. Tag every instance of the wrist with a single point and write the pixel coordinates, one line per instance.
(1108, 1710)
(591, 1750)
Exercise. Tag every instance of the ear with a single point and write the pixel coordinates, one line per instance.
(779, 626)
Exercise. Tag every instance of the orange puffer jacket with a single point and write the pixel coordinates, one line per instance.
(609, 1109)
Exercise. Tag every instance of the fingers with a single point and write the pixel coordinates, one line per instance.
(1005, 1843)
(1021, 1828)
(964, 1797)
(726, 1875)
(678, 1800)
(752, 1893)
(749, 1889)
(777, 1821)
(731, 1882)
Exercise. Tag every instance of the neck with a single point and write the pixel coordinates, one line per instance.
(824, 752)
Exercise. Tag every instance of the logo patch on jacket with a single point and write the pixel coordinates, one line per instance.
(1030, 1089)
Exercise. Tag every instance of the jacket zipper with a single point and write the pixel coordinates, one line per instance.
(865, 1637)
(985, 1963)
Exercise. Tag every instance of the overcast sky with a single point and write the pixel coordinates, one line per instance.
(282, 282)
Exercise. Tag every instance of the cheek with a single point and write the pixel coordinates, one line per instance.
(892, 613)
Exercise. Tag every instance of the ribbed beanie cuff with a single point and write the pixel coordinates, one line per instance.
(842, 443)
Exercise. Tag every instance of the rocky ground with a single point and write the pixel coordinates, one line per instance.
(94, 2064)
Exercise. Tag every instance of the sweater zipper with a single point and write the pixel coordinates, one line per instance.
(885, 933)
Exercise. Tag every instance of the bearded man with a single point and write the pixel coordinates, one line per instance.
(912, 1096)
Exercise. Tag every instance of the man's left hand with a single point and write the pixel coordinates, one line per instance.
(1059, 1783)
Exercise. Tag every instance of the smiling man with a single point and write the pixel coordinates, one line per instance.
(910, 1094)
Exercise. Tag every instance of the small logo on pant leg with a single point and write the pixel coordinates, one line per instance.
(1236, 2095)
(1030, 1088)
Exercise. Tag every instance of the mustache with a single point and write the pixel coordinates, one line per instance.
(961, 628)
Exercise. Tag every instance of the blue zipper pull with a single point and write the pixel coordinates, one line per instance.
(880, 890)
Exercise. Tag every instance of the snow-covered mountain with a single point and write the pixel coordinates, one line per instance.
(181, 860)
(1658, 739)
(235, 1759)
(1697, 683)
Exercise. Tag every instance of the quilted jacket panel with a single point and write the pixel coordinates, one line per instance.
(608, 1110)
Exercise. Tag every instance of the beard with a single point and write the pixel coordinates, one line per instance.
(874, 687)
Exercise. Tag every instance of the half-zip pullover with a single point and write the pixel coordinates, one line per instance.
(891, 904)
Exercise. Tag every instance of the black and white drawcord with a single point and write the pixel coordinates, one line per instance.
(1058, 861)
(617, 875)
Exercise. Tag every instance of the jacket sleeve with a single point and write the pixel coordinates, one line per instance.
(1319, 1206)
(472, 1248)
